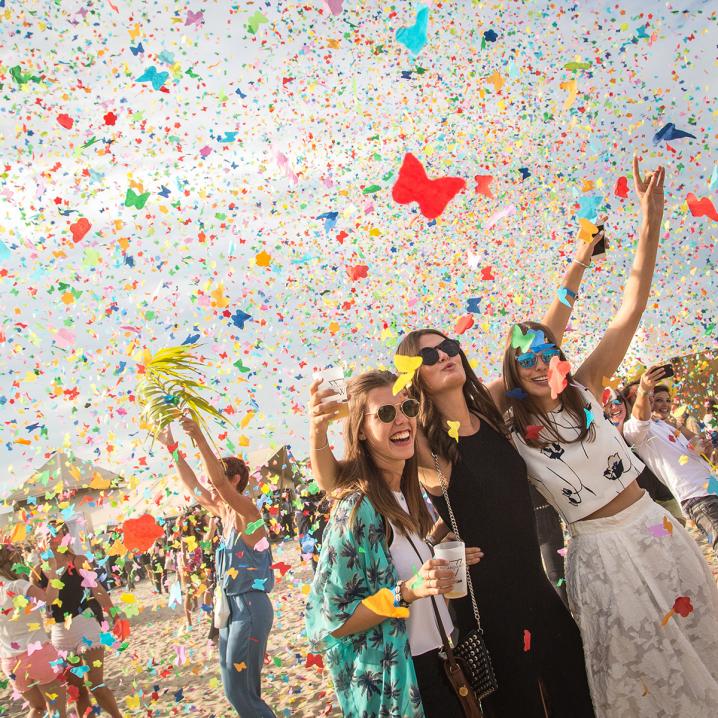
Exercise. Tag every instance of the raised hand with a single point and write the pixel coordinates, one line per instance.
(650, 191)
(650, 378)
(190, 426)
(165, 436)
(321, 411)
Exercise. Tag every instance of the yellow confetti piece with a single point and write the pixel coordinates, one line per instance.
(454, 429)
(407, 367)
(240, 666)
(306, 588)
(382, 603)
(586, 229)
(232, 571)
(667, 525)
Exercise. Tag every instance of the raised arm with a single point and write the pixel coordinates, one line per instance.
(642, 407)
(186, 474)
(608, 355)
(558, 314)
(243, 505)
(321, 411)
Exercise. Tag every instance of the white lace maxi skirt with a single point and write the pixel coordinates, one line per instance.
(624, 574)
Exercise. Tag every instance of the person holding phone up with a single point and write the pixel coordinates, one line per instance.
(675, 455)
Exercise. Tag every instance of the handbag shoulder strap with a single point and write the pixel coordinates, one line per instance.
(439, 623)
(455, 529)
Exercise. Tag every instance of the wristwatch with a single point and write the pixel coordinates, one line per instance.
(399, 602)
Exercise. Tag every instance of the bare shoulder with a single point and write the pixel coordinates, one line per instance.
(427, 468)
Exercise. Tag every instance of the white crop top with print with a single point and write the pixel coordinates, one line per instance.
(581, 477)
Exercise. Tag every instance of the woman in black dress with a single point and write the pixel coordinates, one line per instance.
(534, 642)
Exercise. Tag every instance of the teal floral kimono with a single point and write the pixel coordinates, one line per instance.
(373, 672)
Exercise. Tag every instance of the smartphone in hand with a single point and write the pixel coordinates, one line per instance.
(599, 250)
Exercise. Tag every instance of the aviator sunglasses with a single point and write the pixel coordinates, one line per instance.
(430, 355)
(528, 361)
(387, 413)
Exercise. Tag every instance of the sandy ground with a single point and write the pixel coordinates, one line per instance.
(169, 671)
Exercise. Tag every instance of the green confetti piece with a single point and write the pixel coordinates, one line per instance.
(371, 189)
(254, 526)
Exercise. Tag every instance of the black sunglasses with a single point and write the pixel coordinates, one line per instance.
(387, 413)
(430, 355)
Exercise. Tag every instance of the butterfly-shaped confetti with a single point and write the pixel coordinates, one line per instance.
(413, 185)
(522, 341)
(557, 372)
(454, 429)
(137, 50)
(407, 367)
(701, 207)
(138, 201)
(414, 37)
(151, 75)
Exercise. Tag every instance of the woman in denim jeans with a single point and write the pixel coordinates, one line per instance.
(244, 570)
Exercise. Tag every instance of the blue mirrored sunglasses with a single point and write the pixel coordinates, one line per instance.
(528, 360)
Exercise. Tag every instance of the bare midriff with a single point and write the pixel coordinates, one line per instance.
(632, 493)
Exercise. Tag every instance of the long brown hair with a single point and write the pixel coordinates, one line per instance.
(9, 556)
(526, 412)
(358, 470)
(477, 397)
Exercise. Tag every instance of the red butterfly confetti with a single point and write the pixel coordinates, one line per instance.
(621, 188)
(533, 431)
(79, 229)
(413, 185)
(482, 185)
(464, 324)
(65, 121)
(701, 207)
(314, 659)
(357, 272)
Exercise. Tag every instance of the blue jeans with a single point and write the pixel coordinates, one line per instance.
(243, 641)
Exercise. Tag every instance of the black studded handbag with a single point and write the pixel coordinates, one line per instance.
(471, 652)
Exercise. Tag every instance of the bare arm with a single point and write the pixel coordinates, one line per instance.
(434, 579)
(558, 314)
(243, 505)
(608, 355)
(321, 412)
(642, 407)
(186, 474)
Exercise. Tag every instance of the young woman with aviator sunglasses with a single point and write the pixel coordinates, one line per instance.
(533, 641)
(381, 664)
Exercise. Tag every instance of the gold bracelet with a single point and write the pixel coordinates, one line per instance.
(578, 261)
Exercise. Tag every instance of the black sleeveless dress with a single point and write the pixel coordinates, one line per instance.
(489, 494)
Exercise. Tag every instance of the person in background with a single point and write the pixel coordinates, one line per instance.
(156, 564)
(710, 425)
(30, 672)
(683, 416)
(617, 410)
(675, 456)
(78, 621)
(244, 569)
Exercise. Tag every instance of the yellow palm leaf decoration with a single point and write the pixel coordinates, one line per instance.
(406, 367)
(169, 387)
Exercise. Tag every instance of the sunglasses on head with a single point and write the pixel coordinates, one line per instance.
(528, 360)
(387, 413)
(430, 355)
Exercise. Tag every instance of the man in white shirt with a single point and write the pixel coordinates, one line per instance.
(674, 455)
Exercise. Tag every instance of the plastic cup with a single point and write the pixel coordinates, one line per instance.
(455, 553)
(334, 379)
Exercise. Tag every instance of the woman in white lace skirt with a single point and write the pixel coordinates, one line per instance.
(639, 588)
